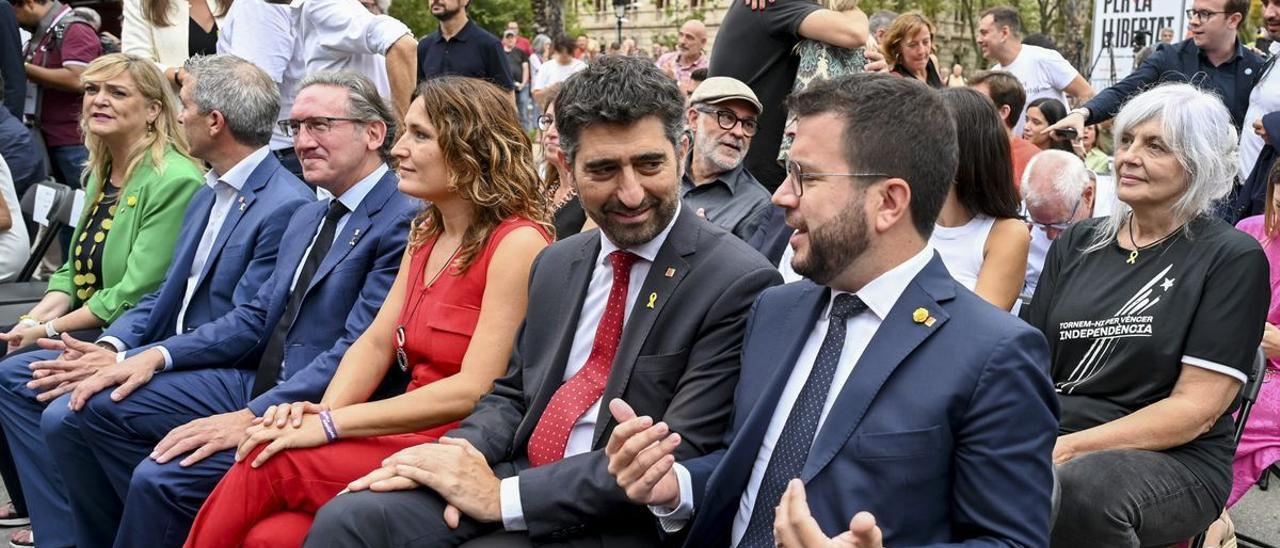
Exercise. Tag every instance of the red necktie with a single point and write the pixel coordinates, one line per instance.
(580, 392)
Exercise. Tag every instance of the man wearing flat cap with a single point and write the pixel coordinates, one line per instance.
(723, 116)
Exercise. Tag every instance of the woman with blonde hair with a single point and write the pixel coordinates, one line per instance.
(463, 280)
(139, 180)
(908, 45)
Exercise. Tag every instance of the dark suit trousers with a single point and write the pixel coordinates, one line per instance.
(404, 518)
(124, 498)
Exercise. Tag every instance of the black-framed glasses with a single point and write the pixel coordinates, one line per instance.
(1202, 15)
(317, 125)
(796, 176)
(545, 122)
(402, 358)
(727, 119)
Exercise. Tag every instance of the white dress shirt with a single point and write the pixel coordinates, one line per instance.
(262, 34)
(879, 295)
(1264, 99)
(583, 337)
(351, 198)
(226, 190)
(342, 35)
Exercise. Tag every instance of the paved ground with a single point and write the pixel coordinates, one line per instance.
(1256, 515)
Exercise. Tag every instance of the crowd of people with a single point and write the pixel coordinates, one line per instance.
(805, 287)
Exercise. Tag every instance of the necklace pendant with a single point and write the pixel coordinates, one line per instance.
(1133, 257)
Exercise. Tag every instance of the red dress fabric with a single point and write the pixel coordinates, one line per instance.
(274, 505)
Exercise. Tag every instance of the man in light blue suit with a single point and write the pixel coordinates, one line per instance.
(912, 412)
(197, 392)
(225, 251)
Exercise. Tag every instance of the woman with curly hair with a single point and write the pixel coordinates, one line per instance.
(463, 280)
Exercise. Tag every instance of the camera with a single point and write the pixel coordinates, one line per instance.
(1065, 134)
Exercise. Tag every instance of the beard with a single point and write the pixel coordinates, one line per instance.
(447, 14)
(631, 235)
(835, 245)
(709, 146)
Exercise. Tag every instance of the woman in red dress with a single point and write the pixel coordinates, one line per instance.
(449, 320)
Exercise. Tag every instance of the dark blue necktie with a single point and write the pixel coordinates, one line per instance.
(792, 448)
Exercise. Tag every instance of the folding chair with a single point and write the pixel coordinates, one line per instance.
(1248, 395)
(18, 296)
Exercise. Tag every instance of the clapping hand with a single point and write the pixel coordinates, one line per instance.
(794, 526)
(641, 457)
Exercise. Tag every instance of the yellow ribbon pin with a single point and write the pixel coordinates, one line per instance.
(653, 297)
(920, 315)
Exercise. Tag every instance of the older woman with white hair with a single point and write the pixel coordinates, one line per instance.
(1153, 316)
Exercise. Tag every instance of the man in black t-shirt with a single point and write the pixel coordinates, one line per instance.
(757, 48)
(518, 66)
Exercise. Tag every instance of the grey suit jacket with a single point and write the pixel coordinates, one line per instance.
(677, 362)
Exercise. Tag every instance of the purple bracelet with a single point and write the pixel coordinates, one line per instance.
(330, 429)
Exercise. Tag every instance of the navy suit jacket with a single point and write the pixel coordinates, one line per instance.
(343, 298)
(944, 432)
(241, 259)
(1179, 62)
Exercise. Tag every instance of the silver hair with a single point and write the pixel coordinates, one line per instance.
(91, 15)
(363, 102)
(540, 41)
(1065, 172)
(1197, 128)
(245, 95)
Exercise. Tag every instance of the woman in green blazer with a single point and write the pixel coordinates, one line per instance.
(139, 180)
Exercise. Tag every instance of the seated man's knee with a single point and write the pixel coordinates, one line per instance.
(350, 513)
(58, 420)
(15, 373)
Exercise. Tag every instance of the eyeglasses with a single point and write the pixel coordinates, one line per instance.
(727, 119)
(317, 125)
(402, 358)
(545, 121)
(1202, 15)
(1052, 230)
(797, 176)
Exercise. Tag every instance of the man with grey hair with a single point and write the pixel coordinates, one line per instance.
(226, 251)
(650, 307)
(336, 262)
(722, 115)
(879, 23)
(1059, 191)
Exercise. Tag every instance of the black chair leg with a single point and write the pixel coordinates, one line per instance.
(1244, 539)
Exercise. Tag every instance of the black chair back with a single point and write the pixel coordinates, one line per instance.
(59, 216)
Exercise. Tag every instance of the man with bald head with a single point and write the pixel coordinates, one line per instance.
(1058, 191)
(688, 55)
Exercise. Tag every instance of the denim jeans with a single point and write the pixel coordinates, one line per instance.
(68, 163)
(528, 114)
(1125, 498)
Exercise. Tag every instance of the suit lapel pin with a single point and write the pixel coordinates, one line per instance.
(921, 315)
(671, 271)
(243, 205)
(653, 298)
(355, 236)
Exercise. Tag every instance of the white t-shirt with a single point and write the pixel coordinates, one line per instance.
(1043, 73)
(1264, 99)
(14, 244)
(552, 72)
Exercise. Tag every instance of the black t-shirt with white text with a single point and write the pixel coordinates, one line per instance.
(1120, 332)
